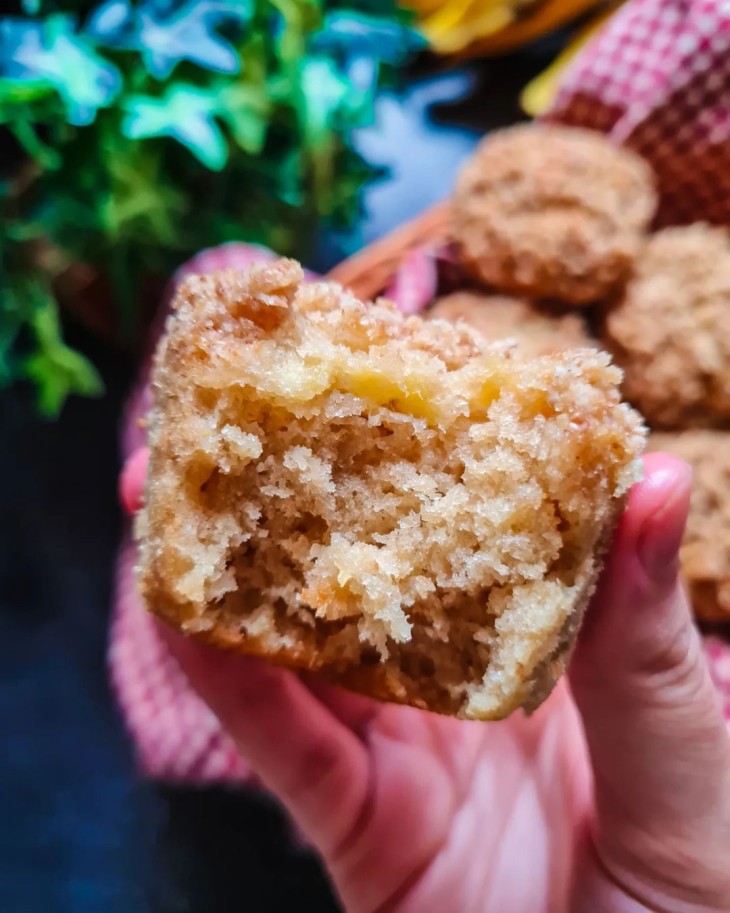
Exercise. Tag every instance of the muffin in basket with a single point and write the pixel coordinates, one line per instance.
(535, 330)
(705, 553)
(552, 212)
(670, 331)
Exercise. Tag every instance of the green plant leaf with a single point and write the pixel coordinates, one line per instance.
(58, 375)
(351, 34)
(48, 158)
(51, 51)
(166, 34)
(298, 18)
(330, 101)
(184, 113)
(142, 206)
(55, 368)
(246, 111)
(22, 91)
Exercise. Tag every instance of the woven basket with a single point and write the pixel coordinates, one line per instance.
(370, 271)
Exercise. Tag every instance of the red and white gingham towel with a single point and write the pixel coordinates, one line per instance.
(657, 78)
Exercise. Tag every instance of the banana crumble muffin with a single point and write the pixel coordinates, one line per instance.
(413, 511)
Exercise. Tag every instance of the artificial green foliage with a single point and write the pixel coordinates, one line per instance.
(141, 132)
(56, 369)
(51, 56)
(184, 113)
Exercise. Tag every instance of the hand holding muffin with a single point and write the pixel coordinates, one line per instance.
(654, 830)
(419, 813)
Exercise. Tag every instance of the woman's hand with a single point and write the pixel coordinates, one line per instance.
(616, 798)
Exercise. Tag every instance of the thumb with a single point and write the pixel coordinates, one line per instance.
(658, 743)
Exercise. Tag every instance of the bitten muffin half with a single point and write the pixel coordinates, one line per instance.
(415, 512)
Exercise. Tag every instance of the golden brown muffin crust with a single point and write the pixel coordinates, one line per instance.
(552, 212)
(392, 501)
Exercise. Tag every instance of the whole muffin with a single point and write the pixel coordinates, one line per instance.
(671, 330)
(705, 553)
(552, 212)
(536, 330)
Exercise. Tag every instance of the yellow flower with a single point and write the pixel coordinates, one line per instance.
(483, 27)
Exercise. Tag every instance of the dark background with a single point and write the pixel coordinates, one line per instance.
(79, 831)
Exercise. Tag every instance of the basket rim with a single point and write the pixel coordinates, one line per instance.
(371, 270)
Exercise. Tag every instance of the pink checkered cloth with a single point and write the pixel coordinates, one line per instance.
(657, 79)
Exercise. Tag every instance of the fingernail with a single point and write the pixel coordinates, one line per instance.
(661, 536)
(131, 482)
